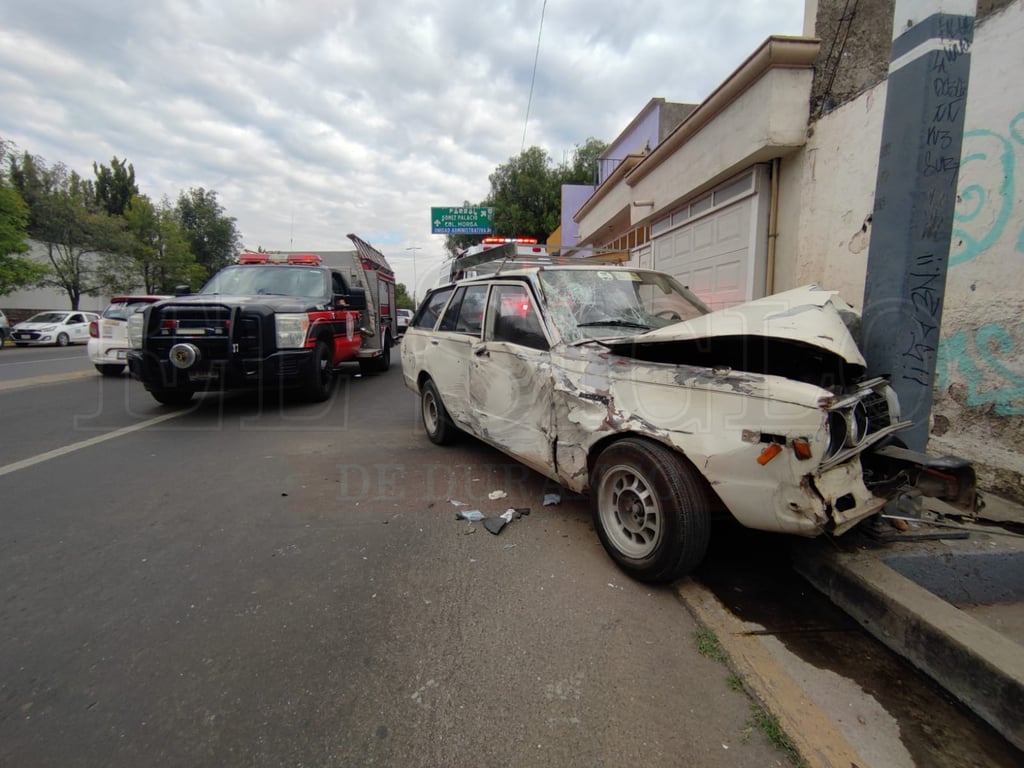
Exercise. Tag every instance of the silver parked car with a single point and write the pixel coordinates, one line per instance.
(620, 383)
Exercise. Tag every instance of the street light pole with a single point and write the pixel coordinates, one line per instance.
(414, 248)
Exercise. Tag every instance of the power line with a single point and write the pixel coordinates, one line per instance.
(533, 77)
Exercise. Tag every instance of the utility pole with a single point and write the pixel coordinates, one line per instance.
(414, 248)
(915, 199)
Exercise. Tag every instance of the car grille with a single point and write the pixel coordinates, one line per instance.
(877, 408)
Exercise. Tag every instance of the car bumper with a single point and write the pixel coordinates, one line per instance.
(287, 368)
(106, 352)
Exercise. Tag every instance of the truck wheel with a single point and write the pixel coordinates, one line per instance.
(651, 511)
(110, 369)
(172, 396)
(436, 421)
(384, 364)
(320, 377)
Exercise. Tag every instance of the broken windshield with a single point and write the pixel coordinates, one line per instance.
(610, 303)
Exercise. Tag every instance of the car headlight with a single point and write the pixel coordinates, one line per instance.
(136, 324)
(47, 329)
(291, 330)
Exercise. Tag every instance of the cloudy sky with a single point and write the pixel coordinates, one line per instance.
(315, 118)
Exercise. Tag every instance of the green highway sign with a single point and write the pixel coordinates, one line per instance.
(462, 221)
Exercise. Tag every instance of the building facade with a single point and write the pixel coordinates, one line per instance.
(769, 184)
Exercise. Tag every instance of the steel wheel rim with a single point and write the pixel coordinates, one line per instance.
(629, 511)
(430, 415)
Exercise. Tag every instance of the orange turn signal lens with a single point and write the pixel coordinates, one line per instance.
(802, 449)
(770, 452)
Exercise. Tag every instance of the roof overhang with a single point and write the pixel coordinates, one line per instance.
(759, 112)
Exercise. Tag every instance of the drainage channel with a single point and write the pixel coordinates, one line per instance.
(750, 574)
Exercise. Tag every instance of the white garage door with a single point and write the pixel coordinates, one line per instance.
(716, 244)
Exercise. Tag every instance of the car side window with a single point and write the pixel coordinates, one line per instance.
(471, 310)
(431, 309)
(512, 317)
(75, 319)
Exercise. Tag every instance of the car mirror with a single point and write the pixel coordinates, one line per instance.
(182, 290)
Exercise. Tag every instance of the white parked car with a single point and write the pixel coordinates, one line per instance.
(620, 383)
(403, 317)
(56, 327)
(5, 328)
(108, 336)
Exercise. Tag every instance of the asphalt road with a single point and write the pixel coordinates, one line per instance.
(257, 583)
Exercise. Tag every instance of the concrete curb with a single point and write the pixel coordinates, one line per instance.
(816, 736)
(980, 667)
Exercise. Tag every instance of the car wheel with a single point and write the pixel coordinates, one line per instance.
(320, 377)
(384, 364)
(172, 396)
(436, 421)
(110, 369)
(62, 340)
(651, 510)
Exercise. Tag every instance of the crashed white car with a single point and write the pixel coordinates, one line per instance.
(620, 383)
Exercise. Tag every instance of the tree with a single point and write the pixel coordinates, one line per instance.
(402, 298)
(15, 272)
(63, 215)
(115, 186)
(211, 236)
(152, 253)
(526, 193)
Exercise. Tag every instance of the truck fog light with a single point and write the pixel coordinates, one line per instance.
(184, 355)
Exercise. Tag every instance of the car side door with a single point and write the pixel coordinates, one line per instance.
(76, 327)
(510, 383)
(451, 345)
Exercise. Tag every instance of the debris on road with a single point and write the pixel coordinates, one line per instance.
(469, 514)
(495, 524)
(495, 495)
(552, 498)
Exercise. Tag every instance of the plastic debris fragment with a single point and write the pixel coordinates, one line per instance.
(495, 524)
(552, 498)
(469, 514)
(493, 495)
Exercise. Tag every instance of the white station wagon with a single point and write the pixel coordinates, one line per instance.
(620, 383)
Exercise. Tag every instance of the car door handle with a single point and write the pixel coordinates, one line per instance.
(435, 342)
(482, 352)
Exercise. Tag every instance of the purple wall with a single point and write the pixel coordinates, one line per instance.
(573, 197)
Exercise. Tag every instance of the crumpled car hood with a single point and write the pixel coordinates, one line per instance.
(799, 334)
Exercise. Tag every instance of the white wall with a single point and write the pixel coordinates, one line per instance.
(48, 298)
(827, 193)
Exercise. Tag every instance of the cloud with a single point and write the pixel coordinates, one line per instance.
(314, 118)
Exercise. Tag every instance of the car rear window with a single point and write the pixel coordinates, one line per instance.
(121, 309)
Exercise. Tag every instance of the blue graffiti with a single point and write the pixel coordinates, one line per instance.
(974, 198)
(994, 345)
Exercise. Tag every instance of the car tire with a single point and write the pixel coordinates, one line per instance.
(63, 340)
(384, 364)
(172, 396)
(319, 381)
(436, 421)
(110, 369)
(651, 510)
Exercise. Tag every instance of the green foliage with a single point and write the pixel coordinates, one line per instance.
(708, 645)
(402, 298)
(210, 235)
(15, 271)
(115, 186)
(769, 725)
(526, 193)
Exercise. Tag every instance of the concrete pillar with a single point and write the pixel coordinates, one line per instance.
(915, 198)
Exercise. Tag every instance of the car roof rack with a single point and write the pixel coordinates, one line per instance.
(492, 259)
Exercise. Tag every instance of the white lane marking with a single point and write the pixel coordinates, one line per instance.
(57, 452)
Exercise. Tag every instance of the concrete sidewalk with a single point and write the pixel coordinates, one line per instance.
(952, 607)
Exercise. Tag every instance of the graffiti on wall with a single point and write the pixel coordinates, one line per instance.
(983, 215)
(985, 357)
(982, 357)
